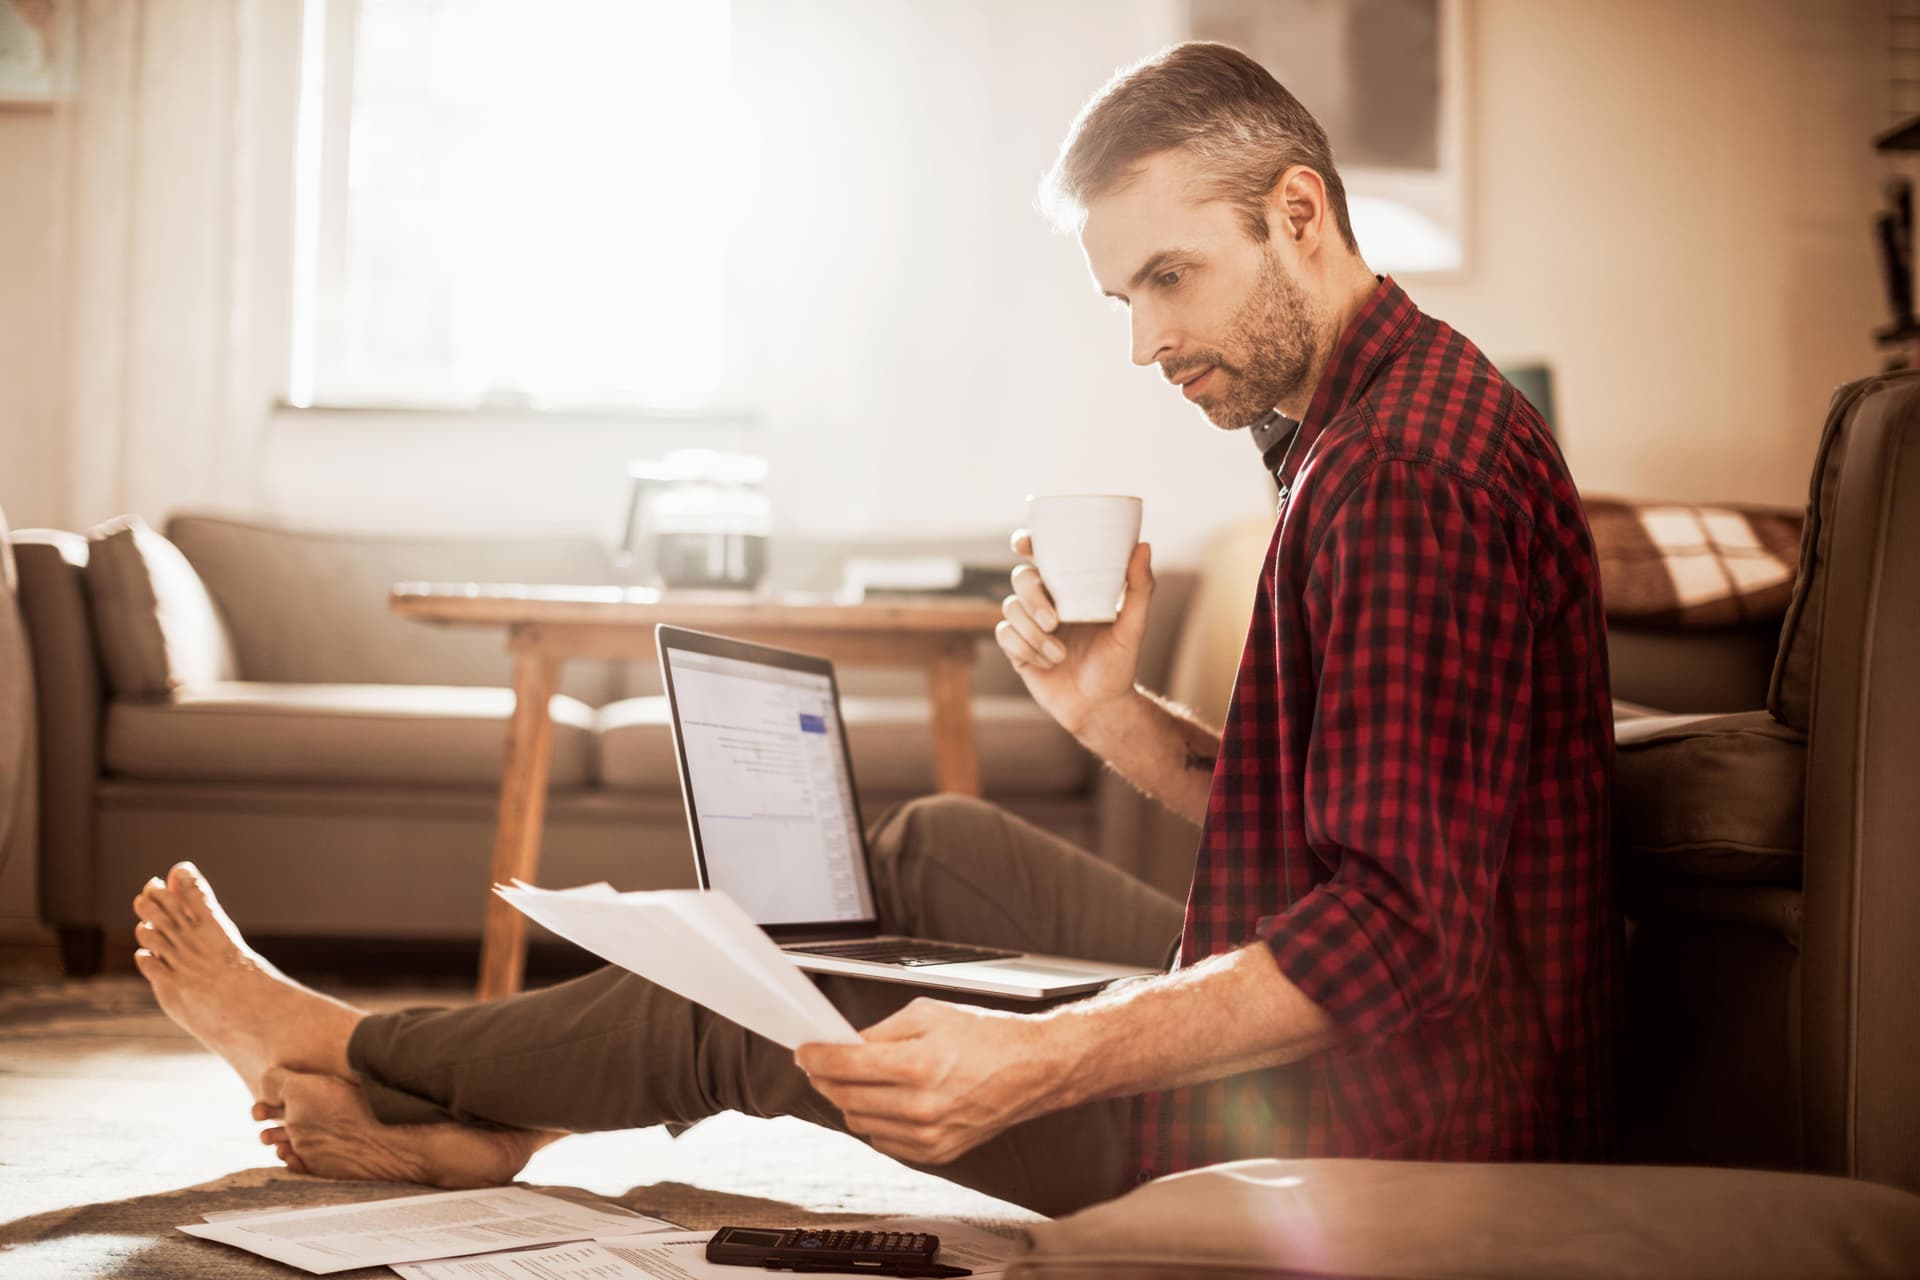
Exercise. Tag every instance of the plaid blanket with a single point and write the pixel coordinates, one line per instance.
(1664, 564)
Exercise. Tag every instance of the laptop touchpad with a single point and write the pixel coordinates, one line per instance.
(1038, 968)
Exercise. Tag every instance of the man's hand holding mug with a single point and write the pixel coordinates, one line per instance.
(1075, 622)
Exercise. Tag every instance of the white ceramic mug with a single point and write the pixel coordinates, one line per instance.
(1081, 545)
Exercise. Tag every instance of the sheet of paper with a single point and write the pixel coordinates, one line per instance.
(588, 1260)
(231, 1215)
(442, 1225)
(698, 944)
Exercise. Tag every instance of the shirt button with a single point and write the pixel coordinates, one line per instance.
(1144, 1176)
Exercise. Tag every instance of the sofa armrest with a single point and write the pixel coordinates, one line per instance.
(19, 787)
(1708, 671)
(66, 677)
(1382, 1219)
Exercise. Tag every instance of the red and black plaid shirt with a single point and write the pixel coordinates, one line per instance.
(1410, 803)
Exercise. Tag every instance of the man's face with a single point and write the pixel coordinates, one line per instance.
(1217, 310)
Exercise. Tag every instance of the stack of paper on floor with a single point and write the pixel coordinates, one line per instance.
(485, 1235)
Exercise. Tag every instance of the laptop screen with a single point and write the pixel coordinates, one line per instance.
(769, 790)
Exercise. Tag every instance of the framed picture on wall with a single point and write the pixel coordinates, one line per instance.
(1387, 78)
(36, 52)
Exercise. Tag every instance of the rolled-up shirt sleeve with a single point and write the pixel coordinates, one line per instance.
(1417, 757)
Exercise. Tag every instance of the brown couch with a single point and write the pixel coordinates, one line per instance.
(1773, 855)
(238, 693)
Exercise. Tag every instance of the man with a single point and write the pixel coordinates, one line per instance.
(1399, 938)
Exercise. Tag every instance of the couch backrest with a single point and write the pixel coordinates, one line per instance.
(310, 606)
(1849, 673)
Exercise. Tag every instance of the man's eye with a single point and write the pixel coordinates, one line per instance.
(1168, 279)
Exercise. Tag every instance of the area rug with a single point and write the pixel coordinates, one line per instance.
(116, 1127)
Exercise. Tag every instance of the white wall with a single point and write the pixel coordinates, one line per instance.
(1672, 208)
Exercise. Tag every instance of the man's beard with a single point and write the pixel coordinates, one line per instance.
(1274, 328)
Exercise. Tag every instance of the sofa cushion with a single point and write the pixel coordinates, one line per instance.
(331, 733)
(1385, 1220)
(1022, 751)
(1665, 564)
(1716, 796)
(310, 605)
(158, 627)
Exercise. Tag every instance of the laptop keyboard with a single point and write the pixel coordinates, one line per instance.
(906, 952)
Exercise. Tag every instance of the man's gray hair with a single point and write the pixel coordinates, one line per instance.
(1211, 101)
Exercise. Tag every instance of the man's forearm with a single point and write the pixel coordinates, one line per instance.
(1232, 1013)
(1158, 747)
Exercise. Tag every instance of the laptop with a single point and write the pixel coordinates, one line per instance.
(776, 826)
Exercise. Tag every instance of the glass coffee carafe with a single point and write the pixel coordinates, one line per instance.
(699, 519)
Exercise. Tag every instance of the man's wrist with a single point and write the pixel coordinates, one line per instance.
(1069, 1040)
(1099, 720)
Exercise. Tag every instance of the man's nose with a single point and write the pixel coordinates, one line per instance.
(1152, 336)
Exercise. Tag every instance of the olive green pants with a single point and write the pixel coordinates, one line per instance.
(610, 1050)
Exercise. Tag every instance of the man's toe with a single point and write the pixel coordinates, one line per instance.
(273, 1092)
(189, 886)
(154, 901)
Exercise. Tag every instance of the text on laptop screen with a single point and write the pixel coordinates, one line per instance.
(770, 789)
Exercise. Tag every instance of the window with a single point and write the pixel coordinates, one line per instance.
(512, 204)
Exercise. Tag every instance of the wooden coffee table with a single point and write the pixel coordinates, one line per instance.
(546, 625)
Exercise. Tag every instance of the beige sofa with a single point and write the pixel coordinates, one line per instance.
(238, 693)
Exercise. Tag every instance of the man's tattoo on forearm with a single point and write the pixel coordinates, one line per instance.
(1198, 763)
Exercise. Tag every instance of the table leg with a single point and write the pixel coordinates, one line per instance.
(523, 804)
(956, 763)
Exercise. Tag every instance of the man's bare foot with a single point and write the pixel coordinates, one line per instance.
(210, 982)
(327, 1129)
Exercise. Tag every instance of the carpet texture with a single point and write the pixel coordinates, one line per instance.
(116, 1127)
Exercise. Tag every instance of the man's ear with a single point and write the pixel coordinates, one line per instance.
(1297, 205)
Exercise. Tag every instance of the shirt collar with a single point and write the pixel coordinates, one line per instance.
(1376, 331)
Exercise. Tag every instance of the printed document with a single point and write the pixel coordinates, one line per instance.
(698, 944)
(443, 1225)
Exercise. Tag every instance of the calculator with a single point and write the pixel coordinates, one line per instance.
(888, 1253)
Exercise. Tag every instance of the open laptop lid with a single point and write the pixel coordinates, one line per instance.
(768, 783)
